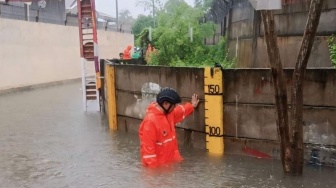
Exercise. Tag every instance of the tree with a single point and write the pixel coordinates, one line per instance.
(332, 50)
(179, 36)
(203, 4)
(153, 6)
(172, 37)
(140, 24)
(148, 5)
(173, 5)
(125, 19)
(291, 132)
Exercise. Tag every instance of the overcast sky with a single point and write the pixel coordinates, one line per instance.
(109, 6)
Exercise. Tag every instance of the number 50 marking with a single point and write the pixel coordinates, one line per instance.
(213, 89)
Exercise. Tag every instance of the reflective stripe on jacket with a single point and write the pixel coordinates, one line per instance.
(158, 136)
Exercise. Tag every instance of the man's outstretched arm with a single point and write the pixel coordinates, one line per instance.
(183, 111)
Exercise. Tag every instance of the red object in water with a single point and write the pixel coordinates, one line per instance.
(255, 153)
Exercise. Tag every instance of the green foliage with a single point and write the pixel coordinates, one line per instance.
(143, 39)
(332, 50)
(148, 5)
(203, 4)
(218, 54)
(141, 23)
(172, 40)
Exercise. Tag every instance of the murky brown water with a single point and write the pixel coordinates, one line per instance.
(46, 140)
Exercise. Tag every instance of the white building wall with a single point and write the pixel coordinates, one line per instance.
(38, 53)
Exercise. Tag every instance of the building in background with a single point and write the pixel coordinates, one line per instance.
(242, 25)
(53, 12)
(63, 12)
(105, 21)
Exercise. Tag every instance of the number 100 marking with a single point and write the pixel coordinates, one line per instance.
(214, 131)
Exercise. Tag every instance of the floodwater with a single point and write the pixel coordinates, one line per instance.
(47, 140)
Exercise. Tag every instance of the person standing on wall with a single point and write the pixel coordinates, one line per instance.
(158, 143)
(127, 52)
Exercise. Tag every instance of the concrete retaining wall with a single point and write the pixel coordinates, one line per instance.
(37, 53)
(249, 111)
(246, 42)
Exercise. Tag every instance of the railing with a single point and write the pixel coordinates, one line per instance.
(19, 13)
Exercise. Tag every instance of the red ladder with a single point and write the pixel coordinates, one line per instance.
(89, 54)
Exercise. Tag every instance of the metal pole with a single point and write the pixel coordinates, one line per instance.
(117, 15)
(38, 14)
(26, 11)
(153, 13)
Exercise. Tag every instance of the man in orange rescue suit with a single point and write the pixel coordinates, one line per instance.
(157, 131)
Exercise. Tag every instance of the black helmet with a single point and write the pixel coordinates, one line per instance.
(169, 95)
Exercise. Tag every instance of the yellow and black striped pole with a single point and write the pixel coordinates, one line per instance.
(213, 89)
(111, 96)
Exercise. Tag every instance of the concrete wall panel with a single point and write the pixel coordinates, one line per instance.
(256, 86)
(126, 124)
(289, 48)
(186, 80)
(242, 13)
(189, 138)
(244, 58)
(249, 112)
(243, 28)
(295, 23)
(244, 53)
(134, 106)
(250, 121)
(304, 7)
(248, 86)
(320, 126)
(259, 122)
(290, 25)
(133, 103)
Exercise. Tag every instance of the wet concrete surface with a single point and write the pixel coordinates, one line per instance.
(47, 140)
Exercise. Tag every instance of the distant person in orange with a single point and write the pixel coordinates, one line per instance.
(150, 49)
(127, 52)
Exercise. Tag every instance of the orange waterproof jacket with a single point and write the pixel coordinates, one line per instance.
(127, 52)
(158, 136)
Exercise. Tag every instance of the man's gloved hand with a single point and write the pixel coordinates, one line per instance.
(194, 100)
